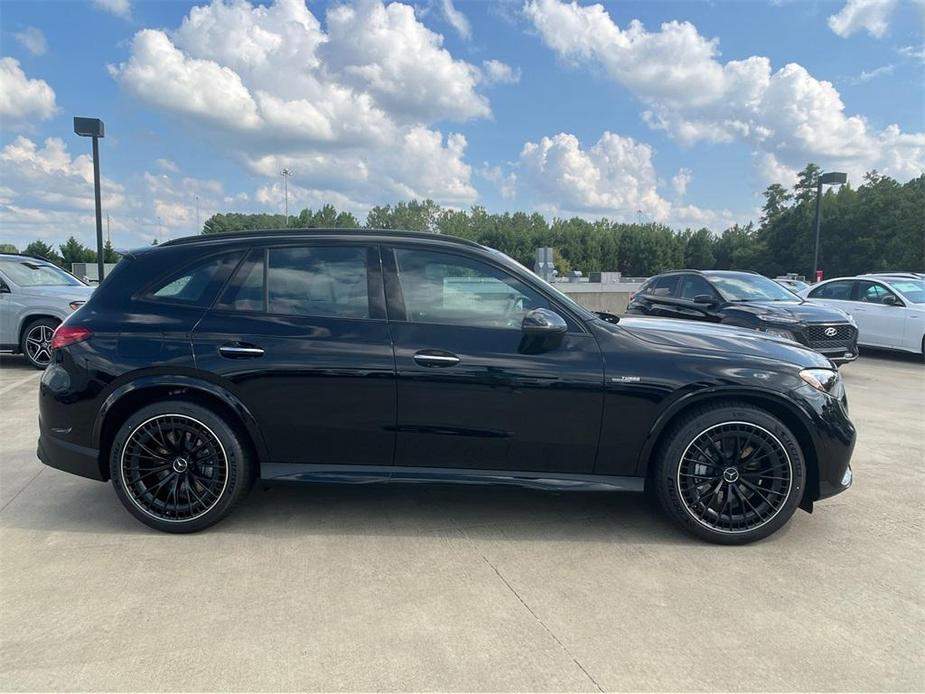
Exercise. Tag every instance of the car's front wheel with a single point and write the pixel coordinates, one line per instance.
(730, 473)
(179, 467)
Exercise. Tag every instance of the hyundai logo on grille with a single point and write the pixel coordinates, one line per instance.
(831, 332)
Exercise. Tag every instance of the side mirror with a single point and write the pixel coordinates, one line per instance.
(4, 289)
(543, 331)
(707, 299)
(542, 321)
(891, 300)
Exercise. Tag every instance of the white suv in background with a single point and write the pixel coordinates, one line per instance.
(889, 309)
(35, 296)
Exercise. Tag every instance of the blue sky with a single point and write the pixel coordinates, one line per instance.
(679, 112)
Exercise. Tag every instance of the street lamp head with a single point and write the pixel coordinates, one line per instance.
(285, 172)
(833, 178)
(88, 127)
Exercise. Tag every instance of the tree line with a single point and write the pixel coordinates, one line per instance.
(880, 225)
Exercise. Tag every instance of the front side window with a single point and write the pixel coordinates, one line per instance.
(664, 286)
(246, 291)
(318, 281)
(197, 284)
(695, 285)
(872, 293)
(838, 291)
(455, 290)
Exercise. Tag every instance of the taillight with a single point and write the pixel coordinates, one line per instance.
(69, 334)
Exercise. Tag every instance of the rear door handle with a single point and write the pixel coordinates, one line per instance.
(435, 358)
(240, 350)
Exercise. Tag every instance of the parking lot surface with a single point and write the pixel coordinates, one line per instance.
(442, 588)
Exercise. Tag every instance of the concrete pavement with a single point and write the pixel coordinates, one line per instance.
(442, 588)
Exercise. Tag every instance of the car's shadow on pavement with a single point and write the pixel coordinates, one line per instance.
(423, 510)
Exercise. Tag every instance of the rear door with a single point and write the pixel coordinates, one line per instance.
(473, 392)
(301, 336)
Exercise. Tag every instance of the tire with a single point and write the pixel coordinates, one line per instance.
(742, 487)
(179, 467)
(35, 343)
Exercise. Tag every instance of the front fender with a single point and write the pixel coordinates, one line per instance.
(189, 382)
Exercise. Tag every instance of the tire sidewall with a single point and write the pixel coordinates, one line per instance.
(681, 437)
(239, 476)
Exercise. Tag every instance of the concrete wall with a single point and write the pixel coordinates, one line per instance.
(612, 298)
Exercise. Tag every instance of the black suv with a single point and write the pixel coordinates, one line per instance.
(329, 356)
(748, 300)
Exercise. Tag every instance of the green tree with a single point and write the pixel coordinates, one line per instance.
(412, 216)
(109, 253)
(8, 248)
(40, 249)
(72, 251)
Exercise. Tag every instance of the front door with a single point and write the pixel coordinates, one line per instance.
(473, 392)
(300, 337)
(879, 323)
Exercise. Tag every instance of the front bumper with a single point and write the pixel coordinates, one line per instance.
(833, 437)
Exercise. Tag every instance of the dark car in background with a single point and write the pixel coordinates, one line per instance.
(205, 363)
(748, 300)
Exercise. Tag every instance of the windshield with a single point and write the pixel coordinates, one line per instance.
(750, 288)
(913, 290)
(35, 273)
(560, 296)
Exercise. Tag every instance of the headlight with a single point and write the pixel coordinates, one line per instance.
(76, 305)
(778, 332)
(826, 380)
(771, 318)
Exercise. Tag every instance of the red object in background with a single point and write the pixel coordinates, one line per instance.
(818, 275)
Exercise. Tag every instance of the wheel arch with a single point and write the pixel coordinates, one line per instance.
(129, 397)
(774, 403)
(30, 318)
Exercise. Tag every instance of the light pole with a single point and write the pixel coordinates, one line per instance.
(93, 128)
(198, 228)
(829, 178)
(286, 173)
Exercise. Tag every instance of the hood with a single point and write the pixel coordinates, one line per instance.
(75, 293)
(707, 337)
(802, 311)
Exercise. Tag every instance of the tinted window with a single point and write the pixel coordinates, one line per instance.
(913, 290)
(872, 292)
(455, 290)
(695, 285)
(318, 281)
(749, 287)
(246, 291)
(840, 291)
(664, 286)
(197, 284)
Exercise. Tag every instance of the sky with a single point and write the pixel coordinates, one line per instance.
(657, 111)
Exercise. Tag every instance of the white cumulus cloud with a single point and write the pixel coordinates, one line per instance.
(351, 105)
(873, 16)
(23, 99)
(456, 19)
(496, 72)
(120, 8)
(787, 116)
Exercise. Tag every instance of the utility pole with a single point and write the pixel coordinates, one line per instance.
(286, 173)
(829, 178)
(108, 232)
(198, 228)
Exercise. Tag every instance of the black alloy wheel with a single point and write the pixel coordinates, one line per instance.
(730, 473)
(179, 467)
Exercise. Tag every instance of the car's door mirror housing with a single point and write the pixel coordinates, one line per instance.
(706, 299)
(542, 321)
(4, 289)
(891, 300)
(543, 331)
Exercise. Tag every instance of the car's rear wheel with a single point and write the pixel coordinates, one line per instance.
(179, 467)
(36, 341)
(730, 474)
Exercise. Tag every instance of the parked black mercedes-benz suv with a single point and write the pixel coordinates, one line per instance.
(319, 356)
(748, 300)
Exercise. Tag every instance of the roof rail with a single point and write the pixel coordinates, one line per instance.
(327, 231)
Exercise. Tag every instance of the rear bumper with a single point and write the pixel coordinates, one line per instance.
(69, 457)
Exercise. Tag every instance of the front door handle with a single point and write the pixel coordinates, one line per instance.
(240, 350)
(435, 358)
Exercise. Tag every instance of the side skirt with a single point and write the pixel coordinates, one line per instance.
(373, 474)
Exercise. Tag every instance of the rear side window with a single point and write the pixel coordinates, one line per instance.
(197, 285)
(318, 281)
(247, 290)
(839, 291)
